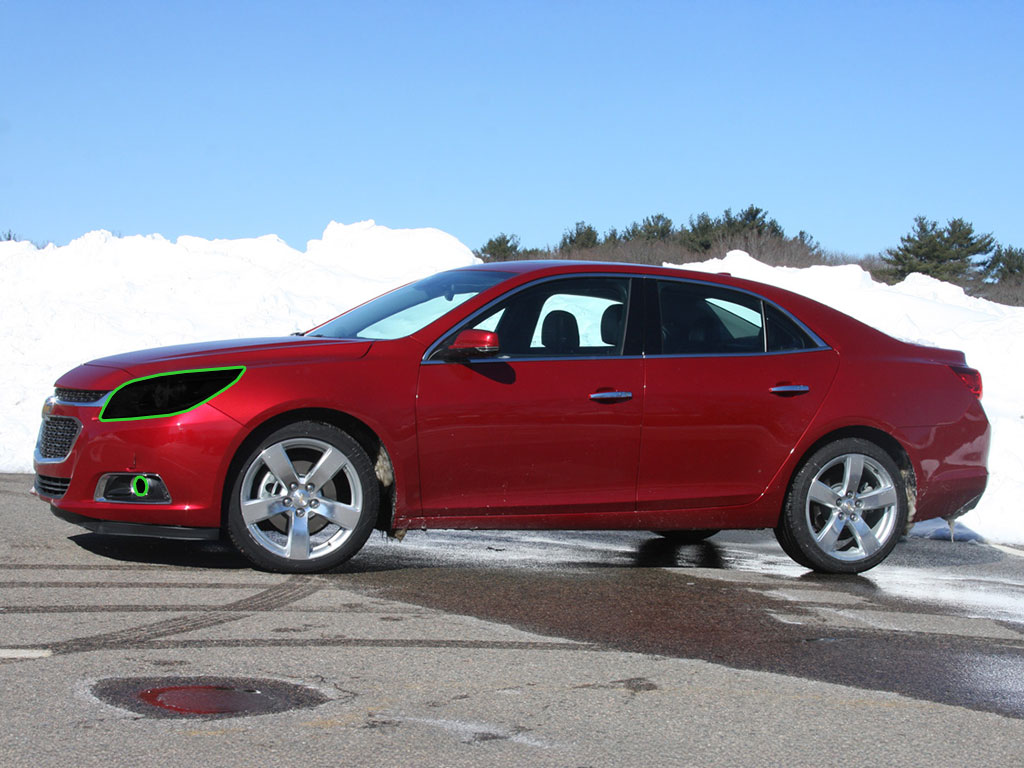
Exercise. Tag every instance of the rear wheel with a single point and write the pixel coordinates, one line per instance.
(845, 509)
(304, 500)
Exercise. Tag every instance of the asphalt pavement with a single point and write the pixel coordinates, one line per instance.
(496, 648)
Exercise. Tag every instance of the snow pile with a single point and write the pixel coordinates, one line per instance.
(101, 295)
(927, 311)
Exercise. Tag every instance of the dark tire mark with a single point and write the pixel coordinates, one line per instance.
(277, 596)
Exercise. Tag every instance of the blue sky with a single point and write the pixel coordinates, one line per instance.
(237, 119)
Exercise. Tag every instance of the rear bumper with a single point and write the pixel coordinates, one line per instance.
(950, 464)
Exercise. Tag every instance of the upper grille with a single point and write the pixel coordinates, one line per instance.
(79, 395)
(54, 487)
(57, 437)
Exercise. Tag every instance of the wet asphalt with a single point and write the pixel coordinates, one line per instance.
(510, 648)
(734, 600)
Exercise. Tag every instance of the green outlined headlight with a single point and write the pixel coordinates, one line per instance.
(168, 394)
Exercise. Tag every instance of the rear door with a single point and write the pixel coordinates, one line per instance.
(550, 425)
(732, 384)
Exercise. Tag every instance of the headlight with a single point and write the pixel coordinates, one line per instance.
(167, 394)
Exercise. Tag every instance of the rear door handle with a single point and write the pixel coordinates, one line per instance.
(788, 390)
(612, 396)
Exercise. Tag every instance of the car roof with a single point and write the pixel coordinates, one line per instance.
(570, 266)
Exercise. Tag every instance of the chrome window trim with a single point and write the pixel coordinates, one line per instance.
(661, 355)
(530, 359)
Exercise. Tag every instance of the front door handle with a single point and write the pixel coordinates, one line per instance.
(788, 390)
(606, 396)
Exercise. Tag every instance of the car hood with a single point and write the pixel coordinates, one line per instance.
(109, 372)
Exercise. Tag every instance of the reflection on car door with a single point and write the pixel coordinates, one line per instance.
(732, 384)
(549, 426)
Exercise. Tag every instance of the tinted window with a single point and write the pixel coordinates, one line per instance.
(571, 317)
(699, 319)
(784, 335)
(411, 307)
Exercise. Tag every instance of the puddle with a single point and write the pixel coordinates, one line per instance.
(205, 697)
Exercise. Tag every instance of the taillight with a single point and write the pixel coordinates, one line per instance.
(970, 377)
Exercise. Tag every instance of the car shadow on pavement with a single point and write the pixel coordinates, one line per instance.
(663, 553)
(191, 554)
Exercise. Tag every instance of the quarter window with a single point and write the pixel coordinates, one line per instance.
(784, 335)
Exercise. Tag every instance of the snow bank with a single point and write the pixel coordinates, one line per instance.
(100, 295)
(927, 311)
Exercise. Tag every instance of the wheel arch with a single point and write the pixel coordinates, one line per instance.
(883, 440)
(361, 432)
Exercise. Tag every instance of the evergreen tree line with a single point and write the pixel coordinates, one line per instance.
(954, 252)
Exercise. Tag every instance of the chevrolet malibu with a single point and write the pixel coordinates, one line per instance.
(527, 395)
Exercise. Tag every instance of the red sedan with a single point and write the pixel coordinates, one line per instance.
(541, 395)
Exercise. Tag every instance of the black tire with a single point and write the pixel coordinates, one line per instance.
(845, 510)
(310, 497)
(687, 537)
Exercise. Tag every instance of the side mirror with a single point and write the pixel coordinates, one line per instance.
(470, 343)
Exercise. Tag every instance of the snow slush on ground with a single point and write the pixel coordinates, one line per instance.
(100, 295)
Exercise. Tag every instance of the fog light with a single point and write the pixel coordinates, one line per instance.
(132, 488)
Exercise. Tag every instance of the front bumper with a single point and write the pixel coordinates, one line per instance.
(188, 452)
(113, 528)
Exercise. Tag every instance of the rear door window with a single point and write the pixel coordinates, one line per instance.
(702, 319)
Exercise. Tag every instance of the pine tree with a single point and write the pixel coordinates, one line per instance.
(656, 227)
(1006, 265)
(947, 253)
(581, 236)
(501, 248)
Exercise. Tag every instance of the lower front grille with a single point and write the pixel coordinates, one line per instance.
(52, 487)
(57, 437)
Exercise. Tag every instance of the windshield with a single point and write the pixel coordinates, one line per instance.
(411, 307)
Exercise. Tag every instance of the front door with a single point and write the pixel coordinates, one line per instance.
(550, 425)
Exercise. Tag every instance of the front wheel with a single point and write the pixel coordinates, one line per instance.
(845, 509)
(304, 500)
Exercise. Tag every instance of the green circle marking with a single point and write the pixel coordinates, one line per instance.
(140, 486)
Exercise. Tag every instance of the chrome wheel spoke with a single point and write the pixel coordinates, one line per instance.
(851, 528)
(853, 471)
(302, 498)
(298, 537)
(344, 515)
(880, 499)
(823, 494)
(276, 460)
(865, 536)
(257, 510)
(330, 463)
(830, 533)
